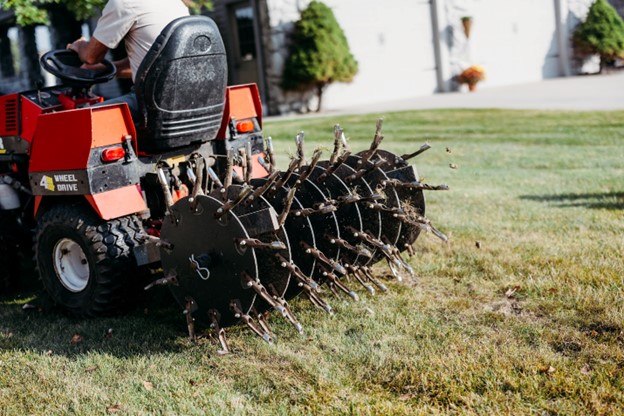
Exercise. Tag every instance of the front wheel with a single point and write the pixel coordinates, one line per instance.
(86, 263)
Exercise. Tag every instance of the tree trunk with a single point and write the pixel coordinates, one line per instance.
(7, 66)
(320, 87)
(29, 57)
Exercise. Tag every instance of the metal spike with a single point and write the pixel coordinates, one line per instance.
(335, 281)
(320, 208)
(288, 314)
(197, 186)
(191, 307)
(366, 169)
(385, 248)
(232, 203)
(332, 168)
(264, 165)
(170, 279)
(424, 224)
(262, 321)
(296, 271)
(415, 185)
(319, 255)
(366, 156)
(215, 318)
(422, 149)
(316, 156)
(235, 306)
(164, 184)
(338, 133)
(229, 169)
(366, 271)
(260, 191)
(249, 170)
(269, 153)
(262, 292)
(242, 152)
(214, 177)
(353, 271)
(290, 197)
(255, 243)
(360, 251)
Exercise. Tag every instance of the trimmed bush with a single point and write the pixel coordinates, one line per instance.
(319, 53)
(601, 33)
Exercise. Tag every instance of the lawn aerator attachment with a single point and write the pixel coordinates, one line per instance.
(193, 193)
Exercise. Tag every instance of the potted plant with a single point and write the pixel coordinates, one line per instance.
(471, 76)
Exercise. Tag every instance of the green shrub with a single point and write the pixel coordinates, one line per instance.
(319, 53)
(601, 33)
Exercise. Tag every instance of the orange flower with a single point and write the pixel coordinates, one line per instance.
(472, 75)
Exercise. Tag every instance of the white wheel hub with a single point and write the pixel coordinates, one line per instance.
(71, 265)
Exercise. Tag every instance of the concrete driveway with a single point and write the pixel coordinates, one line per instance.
(582, 93)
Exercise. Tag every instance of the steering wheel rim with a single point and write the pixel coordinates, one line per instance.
(65, 64)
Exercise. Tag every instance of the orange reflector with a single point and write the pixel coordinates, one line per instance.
(113, 153)
(245, 126)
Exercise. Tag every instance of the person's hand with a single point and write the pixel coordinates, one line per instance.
(77, 45)
(94, 67)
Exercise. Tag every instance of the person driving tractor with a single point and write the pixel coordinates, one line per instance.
(138, 23)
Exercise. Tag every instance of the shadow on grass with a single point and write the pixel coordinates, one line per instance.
(30, 323)
(606, 200)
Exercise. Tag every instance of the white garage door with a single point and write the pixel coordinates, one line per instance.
(392, 41)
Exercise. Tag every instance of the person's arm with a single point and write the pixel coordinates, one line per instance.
(123, 68)
(90, 52)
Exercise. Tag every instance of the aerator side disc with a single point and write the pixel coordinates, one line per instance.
(208, 263)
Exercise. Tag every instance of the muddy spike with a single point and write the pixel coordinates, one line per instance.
(320, 208)
(359, 250)
(255, 243)
(422, 149)
(363, 171)
(290, 197)
(424, 224)
(214, 177)
(164, 184)
(338, 133)
(316, 156)
(415, 185)
(268, 149)
(366, 156)
(170, 279)
(215, 318)
(288, 314)
(262, 292)
(249, 165)
(191, 307)
(353, 271)
(337, 283)
(367, 273)
(332, 168)
(261, 190)
(319, 255)
(261, 318)
(301, 278)
(235, 307)
(229, 170)
(232, 203)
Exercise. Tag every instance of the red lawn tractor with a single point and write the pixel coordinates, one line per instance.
(192, 192)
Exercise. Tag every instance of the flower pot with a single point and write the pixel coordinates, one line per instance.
(472, 87)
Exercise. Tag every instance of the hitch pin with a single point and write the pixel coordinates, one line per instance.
(202, 272)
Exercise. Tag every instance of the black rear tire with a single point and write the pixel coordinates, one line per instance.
(86, 263)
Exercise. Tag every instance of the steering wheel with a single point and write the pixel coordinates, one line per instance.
(66, 65)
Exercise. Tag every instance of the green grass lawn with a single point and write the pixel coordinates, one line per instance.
(529, 322)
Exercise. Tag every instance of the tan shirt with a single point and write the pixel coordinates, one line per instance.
(139, 22)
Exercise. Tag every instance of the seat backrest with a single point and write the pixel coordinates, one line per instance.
(180, 85)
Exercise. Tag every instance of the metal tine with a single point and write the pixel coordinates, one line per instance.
(214, 177)
(415, 185)
(190, 307)
(249, 170)
(289, 315)
(366, 271)
(332, 168)
(425, 224)
(242, 152)
(334, 279)
(326, 207)
(360, 251)
(261, 190)
(264, 165)
(338, 133)
(270, 154)
(290, 197)
(319, 255)
(259, 288)
(353, 271)
(296, 271)
(295, 164)
(232, 203)
(386, 249)
(164, 184)
(316, 156)
(262, 321)
(215, 317)
(422, 149)
(255, 243)
(363, 171)
(199, 179)
(366, 156)
(229, 170)
(235, 306)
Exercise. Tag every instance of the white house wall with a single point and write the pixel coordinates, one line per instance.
(393, 41)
